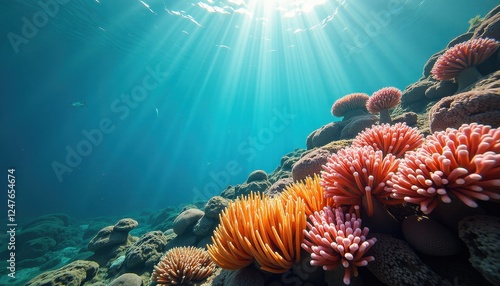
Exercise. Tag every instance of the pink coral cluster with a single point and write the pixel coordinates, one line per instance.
(395, 139)
(334, 238)
(462, 56)
(354, 172)
(382, 100)
(349, 103)
(463, 163)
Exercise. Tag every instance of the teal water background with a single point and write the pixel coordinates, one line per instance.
(183, 98)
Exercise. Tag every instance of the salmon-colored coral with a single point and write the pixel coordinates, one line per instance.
(462, 163)
(382, 100)
(459, 61)
(390, 139)
(356, 172)
(350, 105)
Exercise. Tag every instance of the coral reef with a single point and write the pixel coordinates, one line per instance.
(431, 204)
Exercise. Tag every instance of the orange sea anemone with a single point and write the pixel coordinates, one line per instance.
(464, 163)
(394, 139)
(261, 229)
(310, 191)
(183, 265)
(354, 172)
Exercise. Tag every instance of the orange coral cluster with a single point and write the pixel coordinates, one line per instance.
(311, 191)
(183, 265)
(262, 229)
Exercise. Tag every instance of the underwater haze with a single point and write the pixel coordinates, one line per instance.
(113, 107)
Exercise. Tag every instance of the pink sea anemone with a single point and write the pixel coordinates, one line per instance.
(382, 100)
(390, 139)
(458, 61)
(350, 105)
(334, 238)
(354, 172)
(463, 163)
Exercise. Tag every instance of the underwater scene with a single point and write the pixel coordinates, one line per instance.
(250, 142)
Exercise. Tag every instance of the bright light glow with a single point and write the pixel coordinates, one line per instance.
(288, 8)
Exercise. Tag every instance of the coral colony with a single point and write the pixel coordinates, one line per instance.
(392, 164)
(382, 100)
(463, 164)
(334, 238)
(350, 105)
(459, 62)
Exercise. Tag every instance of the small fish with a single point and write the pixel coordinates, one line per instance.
(156, 109)
(223, 47)
(79, 104)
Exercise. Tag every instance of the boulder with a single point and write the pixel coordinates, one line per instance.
(36, 247)
(310, 164)
(397, 264)
(76, 273)
(127, 279)
(481, 234)
(125, 224)
(186, 219)
(105, 238)
(147, 251)
(215, 206)
(257, 175)
(478, 105)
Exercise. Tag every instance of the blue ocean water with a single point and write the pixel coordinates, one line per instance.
(180, 98)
